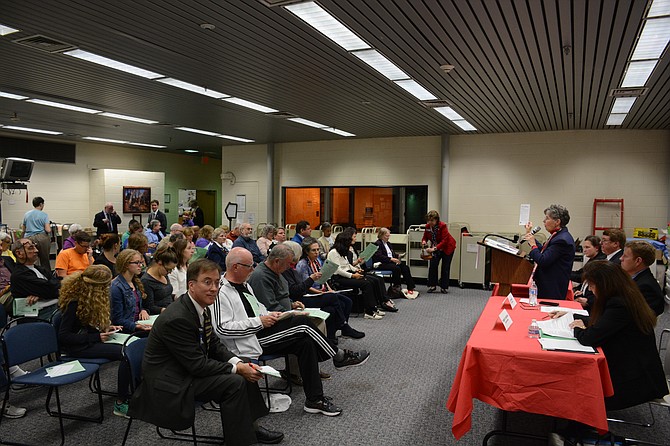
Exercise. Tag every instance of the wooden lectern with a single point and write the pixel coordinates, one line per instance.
(506, 268)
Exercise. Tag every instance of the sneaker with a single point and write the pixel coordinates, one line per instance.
(432, 289)
(444, 290)
(374, 316)
(351, 359)
(324, 406)
(348, 332)
(14, 412)
(121, 409)
(381, 313)
(18, 371)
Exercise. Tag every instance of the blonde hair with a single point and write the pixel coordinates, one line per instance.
(90, 289)
(122, 261)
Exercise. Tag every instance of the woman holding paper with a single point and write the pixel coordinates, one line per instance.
(128, 293)
(442, 247)
(622, 323)
(85, 325)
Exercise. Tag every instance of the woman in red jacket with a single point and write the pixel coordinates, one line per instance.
(442, 247)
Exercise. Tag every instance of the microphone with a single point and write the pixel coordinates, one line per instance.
(535, 230)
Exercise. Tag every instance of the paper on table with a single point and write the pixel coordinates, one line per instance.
(149, 321)
(566, 309)
(268, 370)
(558, 327)
(571, 345)
(327, 271)
(66, 368)
(369, 251)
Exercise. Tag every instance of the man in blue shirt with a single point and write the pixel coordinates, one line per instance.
(302, 230)
(245, 241)
(37, 227)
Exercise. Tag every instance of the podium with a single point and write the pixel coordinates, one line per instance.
(505, 267)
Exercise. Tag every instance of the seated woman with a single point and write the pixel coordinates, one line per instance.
(155, 281)
(265, 240)
(349, 276)
(134, 227)
(6, 241)
(85, 324)
(205, 237)
(110, 245)
(127, 293)
(218, 250)
(622, 323)
(390, 262)
(189, 233)
(591, 248)
(301, 280)
(177, 277)
(69, 242)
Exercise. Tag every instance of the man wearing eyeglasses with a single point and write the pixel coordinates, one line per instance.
(70, 261)
(612, 243)
(32, 281)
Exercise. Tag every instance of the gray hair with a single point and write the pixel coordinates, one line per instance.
(267, 229)
(382, 232)
(558, 212)
(153, 223)
(5, 236)
(217, 232)
(283, 251)
(74, 228)
(297, 249)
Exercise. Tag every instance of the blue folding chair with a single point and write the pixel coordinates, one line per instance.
(28, 341)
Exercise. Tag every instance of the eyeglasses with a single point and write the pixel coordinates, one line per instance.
(29, 245)
(87, 245)
(139, 262)
(209, 283)
(245, 265)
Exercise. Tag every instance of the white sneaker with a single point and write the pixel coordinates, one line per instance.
(17, 371)
(14, 412)
(373, 316)
(381, 313)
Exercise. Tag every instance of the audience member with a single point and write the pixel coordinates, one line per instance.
(181, 354)
(134, 227)
(390, 261)
(188, 233)
(245, 241)
(637, 257)
(153, 235)
(85, 325)
(271, 288)
(553, 259)
(205, 237)
(111, 246)
(68, 243)
(6, 243)
(128, 293)
(442, 247)
(139, 243)
(326, 241)
(176, 228)
(156, 214)
(177, 277)
(218, 250)
(187, 219)
(159, 291)
(280, 237)
(232, 235)
(31, 281)
(302, 230)
(36, 226)
(76, 259)
(107, 220)
(265, 240)
(612, 243)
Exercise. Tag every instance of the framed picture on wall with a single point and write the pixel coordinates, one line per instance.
(136, 199)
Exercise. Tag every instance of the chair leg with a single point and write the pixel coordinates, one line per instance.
(97, 388)
(60, 413)
(191, 437)
(70, 416)
(125, 436)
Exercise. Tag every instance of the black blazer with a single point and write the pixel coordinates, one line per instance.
(616, 259)
(198, 217)
(173, 357)
(633, 361)
(381, 255)
(24, 282)
(102, 227)
(651, 290)
(576, 276)
(217, 254)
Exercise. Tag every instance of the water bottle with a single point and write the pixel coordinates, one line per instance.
(534, 330)
(532, 294)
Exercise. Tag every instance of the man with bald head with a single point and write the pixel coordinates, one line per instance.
(107, 221)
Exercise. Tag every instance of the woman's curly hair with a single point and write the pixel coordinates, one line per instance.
(90, 288)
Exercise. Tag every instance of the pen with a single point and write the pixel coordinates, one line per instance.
(546, 317)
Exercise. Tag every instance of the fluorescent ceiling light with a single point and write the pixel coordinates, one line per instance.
(252, 105)
(638, 73)
(5, 30)
(337, 131)
(190, 151)
(416, 90)
(27, 129)
(653, 39)
(307, 122)
(448, 113)
(328, 25)
(141, 144)
(128, 118)
(202, 132)
(65, 106)
(659, 8)
(115, 64)
(622, 105)
(95, 138)
(380, 63)
(12, 96)
(235, 138)
(616, 118)
(194, 88)
(465, 125)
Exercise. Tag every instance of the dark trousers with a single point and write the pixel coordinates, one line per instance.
(108, 351)
(396, 271)
(444, 269)
(378, 287)
(336, 304)
(297, 335)
(240, 401)
(366, 288)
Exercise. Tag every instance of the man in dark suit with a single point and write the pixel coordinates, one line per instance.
(198, 215)
(107, 220)
(637, 257)
(612, 244)
(554, 259)
(184, 362)
(158, 215)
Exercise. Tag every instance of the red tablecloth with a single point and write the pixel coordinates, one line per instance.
(508, 370)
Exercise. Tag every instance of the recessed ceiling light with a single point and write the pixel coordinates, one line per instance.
(659, 8)
(5, 30)
(28, 129)
(337, 131)
(64, 106)
(251, 105)
(207, 26)
(12, 96)
(128, 118)
(448, 113)
(113, 141)
(380, 63)
(638, 73)
(194, 88)
(653, 39)
(622, 105)
(115, 64)
(141, 144)
(235, 138)
(308, 122)
(416, 90)
(190, 151)
(465, 125)
(192, 130)
(616, 118)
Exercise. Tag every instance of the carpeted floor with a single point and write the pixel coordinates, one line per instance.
(397, 398)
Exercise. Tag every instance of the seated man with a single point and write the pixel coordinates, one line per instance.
(612, 243)
(245, 241)
(302, 230)
(76, 259)
(245, 326)
(31, 281)
(637, 257)
(184, 362)
(153, 233)
(176, 228)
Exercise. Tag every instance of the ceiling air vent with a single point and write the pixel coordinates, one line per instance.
(434, 103)
(281, 115)
(45, 44)
(628, 92)
(275, 3)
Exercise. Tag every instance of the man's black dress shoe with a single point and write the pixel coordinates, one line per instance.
(265, 436)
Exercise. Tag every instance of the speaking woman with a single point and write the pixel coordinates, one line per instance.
(442, 247)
